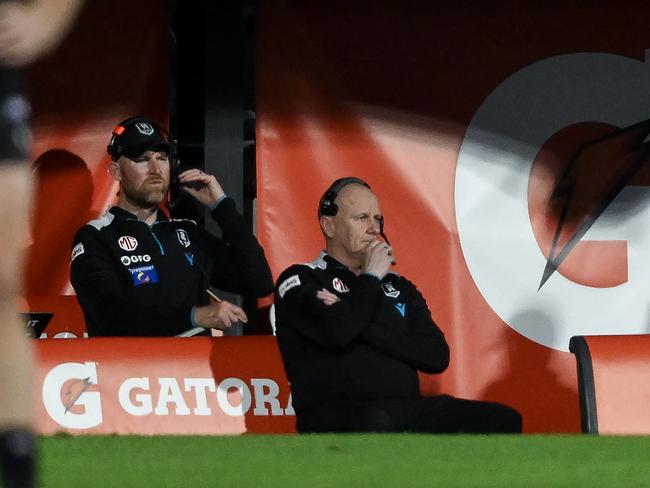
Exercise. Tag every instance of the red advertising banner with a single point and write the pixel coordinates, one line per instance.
(508, 147)
(197, 386)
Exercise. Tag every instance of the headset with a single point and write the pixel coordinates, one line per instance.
(327, 205)
(329, 208)
(119, 129)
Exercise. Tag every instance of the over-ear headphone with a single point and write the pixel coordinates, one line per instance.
(329, 208)
(115, 150)
(327, 205)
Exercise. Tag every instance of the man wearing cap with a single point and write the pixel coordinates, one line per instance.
(353, 334)
(138, 273)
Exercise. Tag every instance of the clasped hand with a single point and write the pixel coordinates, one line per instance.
(378, 259)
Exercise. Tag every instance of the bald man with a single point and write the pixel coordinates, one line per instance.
(353, 334)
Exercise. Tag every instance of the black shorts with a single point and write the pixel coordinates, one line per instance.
(15, 135)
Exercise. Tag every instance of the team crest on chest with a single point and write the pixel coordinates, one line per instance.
(183, 238)
(340, 286)
(389, 290)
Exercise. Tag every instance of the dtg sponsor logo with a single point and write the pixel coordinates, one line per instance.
(70, 403)
(128, 260)
(557, 239)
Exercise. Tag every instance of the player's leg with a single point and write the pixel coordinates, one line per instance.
(17, 445)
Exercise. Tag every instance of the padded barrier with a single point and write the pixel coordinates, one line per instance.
(144, 386)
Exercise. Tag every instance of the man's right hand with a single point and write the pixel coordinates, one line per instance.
(378, 259)
(219, 315)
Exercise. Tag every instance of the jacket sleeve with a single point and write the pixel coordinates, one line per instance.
(422, 344)
(109, 308)
(239, 262)
(330, 326)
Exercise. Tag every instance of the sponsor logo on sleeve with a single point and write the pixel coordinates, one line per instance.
(401, 308)
(389, 290)
(286, 285)
(127, 243)
(144, 275)
(78, 250)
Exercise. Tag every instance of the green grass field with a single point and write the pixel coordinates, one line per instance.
(346, 460)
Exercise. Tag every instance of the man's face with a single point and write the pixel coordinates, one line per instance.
(145, 180)
(357, 222)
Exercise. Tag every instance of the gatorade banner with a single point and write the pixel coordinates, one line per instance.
(195, 386)
(509, 149)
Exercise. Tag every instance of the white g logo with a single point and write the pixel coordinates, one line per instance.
(58, 403)
(492, 178)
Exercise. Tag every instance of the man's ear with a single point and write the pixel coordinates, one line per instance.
(115, 171)
(327, 224)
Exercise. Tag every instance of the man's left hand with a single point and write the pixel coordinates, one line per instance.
(203, 187)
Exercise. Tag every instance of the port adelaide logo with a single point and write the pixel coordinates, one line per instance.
(183, 238)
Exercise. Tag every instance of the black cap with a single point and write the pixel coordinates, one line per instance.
(133, 137)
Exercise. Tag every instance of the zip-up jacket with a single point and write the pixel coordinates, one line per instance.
(369, 345)
(133, 279)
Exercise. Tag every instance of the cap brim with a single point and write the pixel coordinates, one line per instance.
(137, 151)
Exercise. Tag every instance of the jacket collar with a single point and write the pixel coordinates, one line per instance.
(120, 213)
(332, 262)
(335, 264)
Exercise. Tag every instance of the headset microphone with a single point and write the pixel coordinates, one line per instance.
(381, 231)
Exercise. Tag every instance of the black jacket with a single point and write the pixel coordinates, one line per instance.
(133, 279)
(367, 346)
